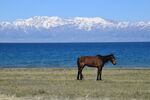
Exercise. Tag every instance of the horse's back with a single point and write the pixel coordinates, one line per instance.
(89, 57)
(85, 58)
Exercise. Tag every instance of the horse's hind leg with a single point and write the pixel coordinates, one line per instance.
(81, 77)
(78, 75)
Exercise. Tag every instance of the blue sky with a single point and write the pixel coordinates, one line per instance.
(119, 10)
(130, 11)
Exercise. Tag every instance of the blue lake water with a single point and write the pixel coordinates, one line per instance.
(128, 55)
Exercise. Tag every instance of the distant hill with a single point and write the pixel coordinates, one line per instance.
(77, 29)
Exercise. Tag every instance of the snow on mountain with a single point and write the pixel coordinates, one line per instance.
(79, 22)
(50, 22)
(55, 28)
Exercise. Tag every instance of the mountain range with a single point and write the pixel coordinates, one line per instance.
(77, 29)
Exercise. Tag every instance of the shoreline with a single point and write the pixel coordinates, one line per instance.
(136, 68)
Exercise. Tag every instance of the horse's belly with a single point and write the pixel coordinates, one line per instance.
(93, 65)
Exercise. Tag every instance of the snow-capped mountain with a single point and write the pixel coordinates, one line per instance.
(77, 29)
(51, 22)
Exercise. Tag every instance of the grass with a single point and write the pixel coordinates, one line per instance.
(61, 84)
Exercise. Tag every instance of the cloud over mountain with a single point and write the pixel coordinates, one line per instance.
(77, 29)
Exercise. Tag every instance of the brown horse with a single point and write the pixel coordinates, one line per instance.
(94, 61)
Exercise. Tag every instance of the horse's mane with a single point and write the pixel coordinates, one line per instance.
(99, 55)
(104, 58)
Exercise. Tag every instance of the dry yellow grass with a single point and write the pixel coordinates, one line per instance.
(61, 84)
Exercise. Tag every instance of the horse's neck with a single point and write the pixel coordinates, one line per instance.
(105, 59)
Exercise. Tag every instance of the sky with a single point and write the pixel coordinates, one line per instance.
(122, 20)
(118, 10)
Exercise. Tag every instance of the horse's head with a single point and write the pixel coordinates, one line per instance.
(112, 59)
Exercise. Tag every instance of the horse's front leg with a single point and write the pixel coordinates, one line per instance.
(101, 73)
(98, 73)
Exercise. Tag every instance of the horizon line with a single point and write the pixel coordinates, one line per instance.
(82, 42)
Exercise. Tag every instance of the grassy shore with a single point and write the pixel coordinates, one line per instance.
(61, 84)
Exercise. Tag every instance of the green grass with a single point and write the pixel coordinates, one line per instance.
(61, 84)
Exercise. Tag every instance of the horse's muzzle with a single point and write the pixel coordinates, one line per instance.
(114, 63)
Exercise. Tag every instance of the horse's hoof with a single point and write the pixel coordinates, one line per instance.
(98, 79)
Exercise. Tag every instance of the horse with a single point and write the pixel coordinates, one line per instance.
(97, 61)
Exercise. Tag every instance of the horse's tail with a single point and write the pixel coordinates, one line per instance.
(78, 64)
(79, 73)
